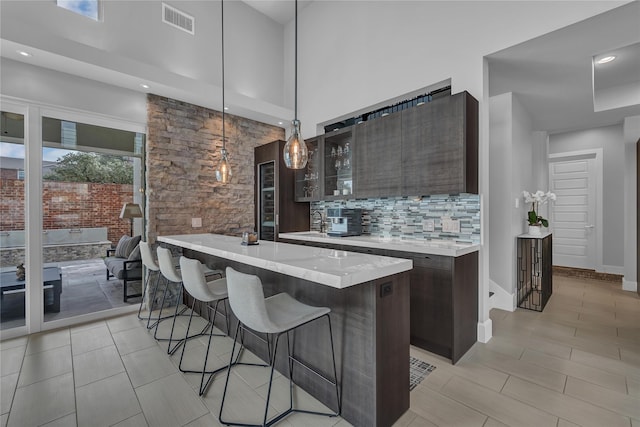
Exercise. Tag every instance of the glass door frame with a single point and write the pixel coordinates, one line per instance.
(33, 114)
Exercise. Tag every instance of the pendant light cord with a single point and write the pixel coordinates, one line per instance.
(295, 110)
(223, 104)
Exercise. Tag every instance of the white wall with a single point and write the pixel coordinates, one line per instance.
(610, 139)
(514, 151)
(501, 241)
(45, 86)
(631, 139)
(134, 30)
(353, 54)
(522, 175)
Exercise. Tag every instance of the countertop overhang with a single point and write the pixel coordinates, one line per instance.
(430, 247)
(338, 269)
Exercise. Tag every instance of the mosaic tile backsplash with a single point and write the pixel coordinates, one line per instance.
(407, 217)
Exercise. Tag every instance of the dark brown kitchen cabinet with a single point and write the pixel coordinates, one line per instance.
(444, 298)
(440, 147)
(309, 180)
(444, 303)
(275, 208)
(378, 156)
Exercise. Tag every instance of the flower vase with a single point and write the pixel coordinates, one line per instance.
(535, 230)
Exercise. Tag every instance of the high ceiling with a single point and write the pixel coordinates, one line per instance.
(281, 11)
(553, 75)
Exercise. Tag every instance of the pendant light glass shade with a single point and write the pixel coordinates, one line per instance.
(223, 172)
(295, 150)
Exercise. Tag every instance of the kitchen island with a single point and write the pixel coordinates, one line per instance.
(369, 300)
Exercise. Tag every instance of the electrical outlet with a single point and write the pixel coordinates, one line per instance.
(386, 290)
(196, 222)
(428, 225)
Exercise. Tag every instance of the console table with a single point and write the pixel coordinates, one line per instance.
(534, 271)
(10, 285)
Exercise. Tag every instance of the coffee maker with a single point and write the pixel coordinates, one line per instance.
(344, 222)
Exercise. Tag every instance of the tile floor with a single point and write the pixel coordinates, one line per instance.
(577, 363)
(114, 373)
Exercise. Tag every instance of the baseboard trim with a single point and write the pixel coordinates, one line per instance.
(485, 331)
(628, 285)
(586, 274)
(501, 299)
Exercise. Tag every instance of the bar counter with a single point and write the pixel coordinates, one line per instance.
(369, 300)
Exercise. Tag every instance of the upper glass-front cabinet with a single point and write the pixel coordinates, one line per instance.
(309, 179)
(338, 164)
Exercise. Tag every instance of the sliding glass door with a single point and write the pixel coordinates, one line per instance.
(65, 178)
(88, 173)
(12, 220)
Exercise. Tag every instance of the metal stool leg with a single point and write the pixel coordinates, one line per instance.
(144, 292)
(290, 361)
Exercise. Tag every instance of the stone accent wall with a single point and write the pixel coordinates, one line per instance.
(183, 150)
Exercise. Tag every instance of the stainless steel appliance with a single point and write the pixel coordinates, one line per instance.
(345, 222)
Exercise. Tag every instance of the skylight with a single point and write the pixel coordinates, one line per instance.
(88, 8)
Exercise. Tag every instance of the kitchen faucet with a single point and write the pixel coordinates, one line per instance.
(322, 225)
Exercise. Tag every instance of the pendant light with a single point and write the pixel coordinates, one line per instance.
(223, 173)
(295, 150)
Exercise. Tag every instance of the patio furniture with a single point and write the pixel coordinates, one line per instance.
(11, 286)
(125, 263)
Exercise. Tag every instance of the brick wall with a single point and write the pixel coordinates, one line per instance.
(11, 204)
(68, 205)
(183, 150)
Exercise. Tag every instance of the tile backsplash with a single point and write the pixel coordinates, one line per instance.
(408, 217)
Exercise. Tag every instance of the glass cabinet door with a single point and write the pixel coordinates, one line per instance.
(267, 200)
(338, 164)
(308, 180)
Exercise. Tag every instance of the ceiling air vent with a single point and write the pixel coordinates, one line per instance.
(177, 19)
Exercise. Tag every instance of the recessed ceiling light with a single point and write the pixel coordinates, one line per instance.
(605, 59)
(226, 108)
(280, 123)
(23, 53)
(144, 86)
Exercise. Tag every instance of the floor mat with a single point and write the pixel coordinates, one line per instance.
(418, 370)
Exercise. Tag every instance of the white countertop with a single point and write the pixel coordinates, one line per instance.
(431, 247)
(338, 269)
(542, 235)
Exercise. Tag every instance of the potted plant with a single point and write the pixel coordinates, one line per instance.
(537, 199)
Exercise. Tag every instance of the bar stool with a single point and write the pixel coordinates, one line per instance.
(276, 315)
(169, 272)
(196, 285)
(152, 267)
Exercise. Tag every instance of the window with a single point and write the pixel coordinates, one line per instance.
(88, 8)
(21, 174)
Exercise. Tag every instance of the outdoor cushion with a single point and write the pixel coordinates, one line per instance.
(134, 256)
(115, 265)
(126, 245)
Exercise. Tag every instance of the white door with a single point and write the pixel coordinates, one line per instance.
(573, 214)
